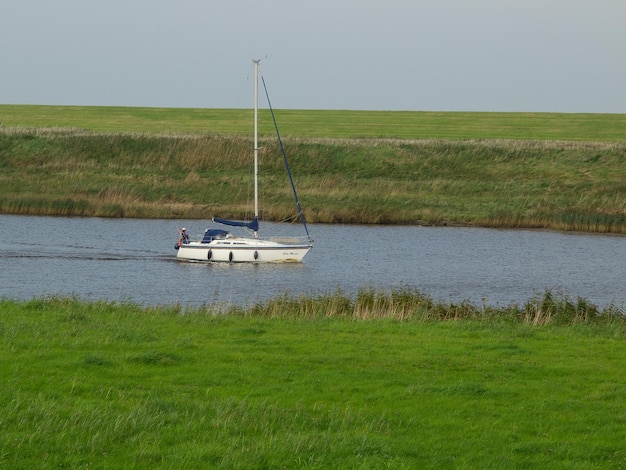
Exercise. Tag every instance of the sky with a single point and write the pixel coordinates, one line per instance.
(417, 55)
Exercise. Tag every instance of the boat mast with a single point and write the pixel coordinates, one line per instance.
(256, 143)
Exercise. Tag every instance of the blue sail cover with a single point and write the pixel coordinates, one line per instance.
(252, 225)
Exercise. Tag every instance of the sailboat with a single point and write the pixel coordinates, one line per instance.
(219, 245)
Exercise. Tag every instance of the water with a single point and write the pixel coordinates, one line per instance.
(134, 260)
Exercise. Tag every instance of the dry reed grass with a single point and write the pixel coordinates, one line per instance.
(412, 305)
(497, 183)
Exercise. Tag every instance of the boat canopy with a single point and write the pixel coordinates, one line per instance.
(252, 225)
(212, 234)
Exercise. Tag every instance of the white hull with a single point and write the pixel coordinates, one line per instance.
(243, 250)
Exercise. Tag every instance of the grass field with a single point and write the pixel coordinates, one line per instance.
(380, 381)
(324, 124)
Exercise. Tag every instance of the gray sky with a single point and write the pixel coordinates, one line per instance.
(433, 55)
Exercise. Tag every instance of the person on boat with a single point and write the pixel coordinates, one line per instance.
(184, 235)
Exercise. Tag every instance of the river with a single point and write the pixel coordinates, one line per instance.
(134, 260)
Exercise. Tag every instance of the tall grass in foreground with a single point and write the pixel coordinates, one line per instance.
(381, 380)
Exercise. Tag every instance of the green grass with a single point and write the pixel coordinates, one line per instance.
(380, 381)
(324, 124)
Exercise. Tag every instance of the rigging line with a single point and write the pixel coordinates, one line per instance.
(282, 149)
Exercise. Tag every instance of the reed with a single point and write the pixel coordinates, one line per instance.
(412, 305)
(496, 183)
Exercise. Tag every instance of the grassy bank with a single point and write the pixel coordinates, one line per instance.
(380, 381)
(497, 183)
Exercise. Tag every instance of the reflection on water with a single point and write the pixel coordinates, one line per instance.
(128, 259)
